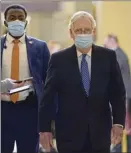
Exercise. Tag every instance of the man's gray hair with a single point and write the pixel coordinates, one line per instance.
(80, 14)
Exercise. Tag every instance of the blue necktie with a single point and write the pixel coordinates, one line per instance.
(85, 74)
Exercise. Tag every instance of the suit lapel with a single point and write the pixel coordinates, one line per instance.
(3, 45)
(32, 55)
(76, 70)
(95, 65)
(29, 46)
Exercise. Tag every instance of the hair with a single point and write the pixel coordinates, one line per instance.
(15, 6)
(112, 36)
(80, 14)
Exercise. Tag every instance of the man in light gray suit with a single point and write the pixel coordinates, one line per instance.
(111, 42)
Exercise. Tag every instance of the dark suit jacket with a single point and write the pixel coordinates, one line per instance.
(76, 113)
(38, 57)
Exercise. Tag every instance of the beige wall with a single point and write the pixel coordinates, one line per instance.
(115, 17)
(54, 26)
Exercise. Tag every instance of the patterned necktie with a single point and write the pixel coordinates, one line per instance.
(85, 74)
(15, 68)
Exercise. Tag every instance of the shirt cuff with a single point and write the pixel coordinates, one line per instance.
(118, 125)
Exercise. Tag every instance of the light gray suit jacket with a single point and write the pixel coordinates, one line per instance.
(125, 70)
(4, 86)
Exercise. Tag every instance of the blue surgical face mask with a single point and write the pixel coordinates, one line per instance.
(16, 28)
(83, 40)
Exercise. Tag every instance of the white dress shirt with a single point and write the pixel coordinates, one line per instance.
(23, 64)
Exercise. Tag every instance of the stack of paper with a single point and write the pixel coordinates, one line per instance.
(23, 88)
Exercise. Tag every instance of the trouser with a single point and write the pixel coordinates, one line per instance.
(87, 148)
(129, 106)
(19, 122)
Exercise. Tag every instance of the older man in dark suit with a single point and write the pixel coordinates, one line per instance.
(87, 79)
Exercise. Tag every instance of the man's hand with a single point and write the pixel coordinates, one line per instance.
(116, 134)
(11, 85)
(17, 85)
(46, 140)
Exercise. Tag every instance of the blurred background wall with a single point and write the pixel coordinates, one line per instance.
(115, 17)
(48, 19)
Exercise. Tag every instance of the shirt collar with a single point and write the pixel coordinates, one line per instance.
(10, 39)
(89, 53)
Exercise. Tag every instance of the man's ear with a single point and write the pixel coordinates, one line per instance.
(94, 31)
(5, 23)
(71, 33)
